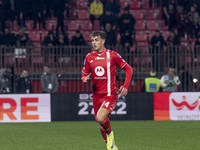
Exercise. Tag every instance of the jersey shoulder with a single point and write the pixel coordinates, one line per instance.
(90, 55)
(113, 53)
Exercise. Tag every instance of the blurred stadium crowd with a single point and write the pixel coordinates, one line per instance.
(126, 22)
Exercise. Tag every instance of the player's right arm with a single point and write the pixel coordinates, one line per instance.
(86, 70)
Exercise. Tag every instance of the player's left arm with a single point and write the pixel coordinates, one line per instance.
(129, 71)
(124, 88)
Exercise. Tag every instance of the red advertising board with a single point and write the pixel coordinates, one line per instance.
(177, 106)
(25, 108)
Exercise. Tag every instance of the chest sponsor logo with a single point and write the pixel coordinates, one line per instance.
(99, 71)
(99, 58)
(185, 106)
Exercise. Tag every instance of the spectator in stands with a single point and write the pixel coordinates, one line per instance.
(49, 42)
(9, 7)
(113, 6)
(49, 5)
(170, 81)
(157, 42)
(152, 83)
(21, 9)
(185, 4)
(62, 41)
(103, 2)
(181, 21)
(38, 7)
(155, 2)
(186, 78)
(96, 10)
(173, 41)
(108, 17)
(110, 36)
(127, 22)
(49, 81)
(2, 17)
(197, 49)
(196, 4)
(22, 38)
(127, 40)
(8, 39)
(24, 83)
(4, 81)
(169, 13)
(78, 39)
(194, 22)
(58, 10)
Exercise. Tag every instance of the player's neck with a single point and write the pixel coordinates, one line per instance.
(101, 50)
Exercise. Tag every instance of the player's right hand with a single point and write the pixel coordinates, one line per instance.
(84, 79)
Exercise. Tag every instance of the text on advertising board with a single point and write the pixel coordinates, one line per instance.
(86, 105)
(25, 108)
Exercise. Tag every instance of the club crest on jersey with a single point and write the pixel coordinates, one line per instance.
(99, 58)
(99, 71)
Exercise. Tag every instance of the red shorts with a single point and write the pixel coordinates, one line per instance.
(104, 101)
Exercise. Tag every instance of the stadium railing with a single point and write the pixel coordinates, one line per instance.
(67, 62)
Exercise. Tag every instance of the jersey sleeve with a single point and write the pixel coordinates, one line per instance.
(123, 64)
(86, 67)
(119, 60)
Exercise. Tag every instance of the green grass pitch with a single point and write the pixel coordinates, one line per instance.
(129, 135)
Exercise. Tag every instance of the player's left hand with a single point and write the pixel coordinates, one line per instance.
(123, 91)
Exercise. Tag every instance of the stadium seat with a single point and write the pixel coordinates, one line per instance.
(87, 36)
(186, 60)
(163, 27)
(48, 25)
(34, 36)
(30, 25)
(150, 15)
(145, 4)
(9, 59)
(73, 25)
(44, 34)
(142, 44)
(152, 25)
(141, 37)
(86, 26)
(83, 15)
(96, 25)
(81, 5)
(150, 35)
(8, 24)
(140, 26)
(118, 39)
(138, 14)
(165, 34)
(15, 26)
(134, 5)
(123, 4)
(37, 59)
(36, 48)
(70, 35)
(145, 60)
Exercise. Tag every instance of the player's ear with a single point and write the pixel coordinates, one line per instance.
(103, 41)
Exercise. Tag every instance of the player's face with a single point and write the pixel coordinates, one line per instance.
(98, 43)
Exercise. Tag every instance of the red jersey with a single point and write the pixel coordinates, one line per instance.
(102, 67)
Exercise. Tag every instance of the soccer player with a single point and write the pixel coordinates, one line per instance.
(101, 64)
